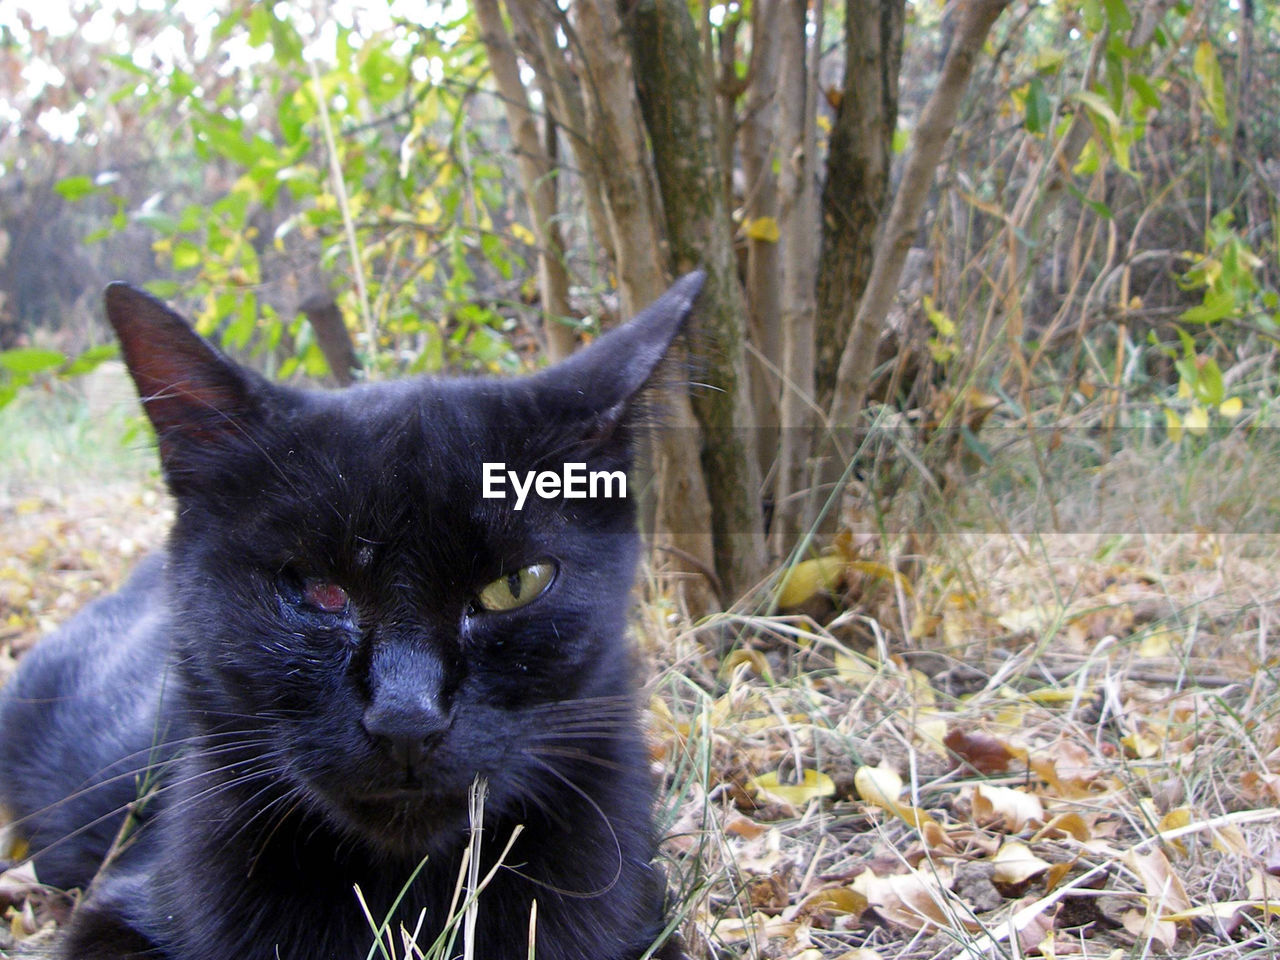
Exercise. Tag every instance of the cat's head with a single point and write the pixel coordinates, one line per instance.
(349, 593)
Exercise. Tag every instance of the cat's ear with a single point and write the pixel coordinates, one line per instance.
(190, 391)
(609, 372)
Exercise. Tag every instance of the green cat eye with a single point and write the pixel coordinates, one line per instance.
(514, 590)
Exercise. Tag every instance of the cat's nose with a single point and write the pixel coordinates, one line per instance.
(408, 729)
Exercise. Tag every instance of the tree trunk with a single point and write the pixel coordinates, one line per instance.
(562, 99)
(759, 144)
(677, 101)
(536, 179)
(614, 130)
(930, 136)
(797, 128)
(332, 336)
(859, 160)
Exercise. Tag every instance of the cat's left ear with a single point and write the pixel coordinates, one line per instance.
(607, 374)
(192, 394)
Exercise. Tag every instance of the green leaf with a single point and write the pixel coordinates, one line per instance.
(1209, 73)
(156, 220)
(1097, 206)
(186, 255)
(31, 359)
(1118, 16)
(90, 359)
(1099, 106)
(126, 64)
(240, 330)
(259, 24)
(1218, 305)
(1093, 17)
(1038, 108)
(1188, 344)
(75, 188)
(1208, 386)
(1145, 91)
(163, 289)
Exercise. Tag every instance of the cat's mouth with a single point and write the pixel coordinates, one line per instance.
(412, 800)
(397, 818)
(416, 794)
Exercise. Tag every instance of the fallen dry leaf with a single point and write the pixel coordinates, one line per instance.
(981, 751)
(814, 785)
(912, 900)
(1017, 808)
(1014, 863)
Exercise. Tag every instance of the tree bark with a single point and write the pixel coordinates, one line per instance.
(683, 512)
(677, 102)
(927, 142)
(332, 337)
(758, 137)
(797, 135)
(536, 174)
(859, 160)
(562, 99)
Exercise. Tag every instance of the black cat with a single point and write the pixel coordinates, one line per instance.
(343, 634)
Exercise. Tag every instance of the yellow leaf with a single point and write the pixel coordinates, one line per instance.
(808, 578)
(523, 234)
(1144, 744)
(1197, 421)
(1047, 696)
(758, 926)
(882, 571)
(1231, 407)
(931, 727)
(1072, 824)
(762, 228)
(1174, 820)
(837, 901)
(879, 786)
(752, 658)
(814, 786)
(1017, 809)
(1015, 863)
(1028, 620)
(1224, 910)
(855, 669)
(922, 692)
(1156, 645)
(1173, 424)
(1230, 840)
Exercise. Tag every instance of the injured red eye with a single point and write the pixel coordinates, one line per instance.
(325, 596)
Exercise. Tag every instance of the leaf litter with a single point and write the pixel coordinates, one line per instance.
(1081, 759)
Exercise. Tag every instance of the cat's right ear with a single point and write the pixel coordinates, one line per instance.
(192, 394)
(607, 374)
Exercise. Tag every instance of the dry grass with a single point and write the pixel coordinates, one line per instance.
(1086, 728)
(1105, 704)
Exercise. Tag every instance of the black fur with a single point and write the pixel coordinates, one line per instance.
(271, 753)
